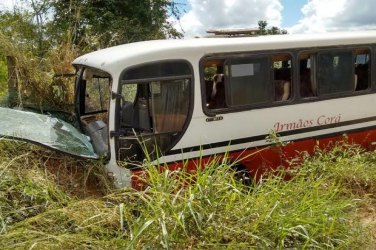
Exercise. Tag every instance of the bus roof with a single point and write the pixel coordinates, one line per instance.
(114, 58)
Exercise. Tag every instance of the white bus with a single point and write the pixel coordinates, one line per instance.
(195, 99)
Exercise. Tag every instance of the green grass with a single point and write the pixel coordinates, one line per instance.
(320, 206)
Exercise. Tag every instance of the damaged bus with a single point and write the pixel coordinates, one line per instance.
(182, 102)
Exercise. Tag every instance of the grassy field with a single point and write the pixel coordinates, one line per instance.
(49, 201)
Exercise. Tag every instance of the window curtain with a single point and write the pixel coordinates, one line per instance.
(170, 105)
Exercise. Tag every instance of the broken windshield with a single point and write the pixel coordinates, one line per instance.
(45, 130)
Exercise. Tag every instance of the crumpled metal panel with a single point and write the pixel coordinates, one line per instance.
(45, 130)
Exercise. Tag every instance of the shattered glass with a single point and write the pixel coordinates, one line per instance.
(45, 130)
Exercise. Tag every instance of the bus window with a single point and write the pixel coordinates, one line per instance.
(307, 82)
(249, 81)
(244, 81)
(335, 72)
(215, 84)
(93, 99)
(97, 91)
(282, 77)
(154, 108)
(129, 92)
(170, 103)
(362, 69)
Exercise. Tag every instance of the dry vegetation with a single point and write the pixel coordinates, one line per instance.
(49, 201)
(35, 76)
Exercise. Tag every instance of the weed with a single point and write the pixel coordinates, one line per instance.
(208, 209)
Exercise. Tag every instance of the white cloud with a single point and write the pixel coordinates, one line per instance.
(326, 16)
(7, 4)
(214, 14)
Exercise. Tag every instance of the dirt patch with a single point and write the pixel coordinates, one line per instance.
(367, 215)
(79, 178)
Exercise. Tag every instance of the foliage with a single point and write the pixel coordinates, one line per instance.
(263, 30)
(104, 23)
(24, 191)
(44, 37)
(33, 181)
(18, 34)
(18, 28)
(209, 209)
(347, 164)
(89, 25)
(35, 77)
(3, 79)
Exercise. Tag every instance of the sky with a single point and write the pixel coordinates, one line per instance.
(296, 16)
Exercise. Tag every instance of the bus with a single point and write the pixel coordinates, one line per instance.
(181, 103)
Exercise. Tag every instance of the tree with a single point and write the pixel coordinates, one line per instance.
(40, 9)
(87, 24)
(263, 30)
(262, 27)
(103, 23)
(276, 31)
(19, 29)
(43, 38)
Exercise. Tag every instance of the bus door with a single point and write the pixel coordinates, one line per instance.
(92, 102)
(153, 110)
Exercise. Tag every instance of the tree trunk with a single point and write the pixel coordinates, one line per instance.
(12, 82)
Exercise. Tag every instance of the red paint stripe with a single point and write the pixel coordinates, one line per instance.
(258, 161)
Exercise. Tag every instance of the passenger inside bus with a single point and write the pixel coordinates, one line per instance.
(282, 90)
(362, 60)
(305, 79)
(218, 91)
(361, 72)
(282, 77)
(282, 84)
(215, 87)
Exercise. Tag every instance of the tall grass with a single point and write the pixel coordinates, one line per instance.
(33, 180)
(209, 209)
(215, 210)
(25, 190)
(36, 85)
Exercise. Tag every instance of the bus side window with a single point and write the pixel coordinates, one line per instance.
(128, 92)
(215, 86)
(362, 69)
(335, 72)
(249, 81)
(97, 91)
(154, 109)
(282, 77)
(135, 109)
(306, 76)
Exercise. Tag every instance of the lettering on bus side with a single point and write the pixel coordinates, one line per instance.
(325, 120)
(307, 123)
